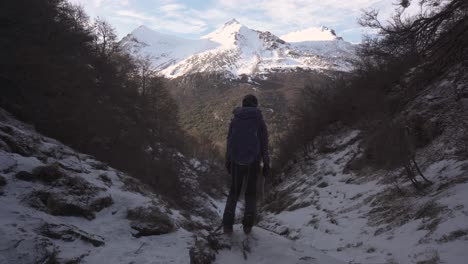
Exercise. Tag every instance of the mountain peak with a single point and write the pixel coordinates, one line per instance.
(141, 28)
(232, 22)
(226, 34)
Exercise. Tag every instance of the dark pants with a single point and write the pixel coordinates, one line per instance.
(239, 174)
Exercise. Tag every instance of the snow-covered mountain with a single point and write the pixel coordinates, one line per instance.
(236, 50)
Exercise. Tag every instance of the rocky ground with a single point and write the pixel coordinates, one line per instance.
(61, 206)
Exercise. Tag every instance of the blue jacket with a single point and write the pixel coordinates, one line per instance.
(247, 118)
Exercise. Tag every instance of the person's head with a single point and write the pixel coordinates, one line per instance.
(250, 101)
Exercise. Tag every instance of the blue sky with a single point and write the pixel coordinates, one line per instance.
(194, 18)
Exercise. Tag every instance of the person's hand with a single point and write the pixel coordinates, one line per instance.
(266, 170)
(228, 166)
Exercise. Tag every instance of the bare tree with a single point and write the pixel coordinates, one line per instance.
(105, 37)
(79, 17)
(146, 71)
(437, 25)
(391, 146)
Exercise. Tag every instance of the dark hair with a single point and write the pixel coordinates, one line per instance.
(250, 100)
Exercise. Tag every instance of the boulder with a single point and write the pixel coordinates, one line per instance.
(3, 181)
(100, 203)
(202, 253)
(322, 184)
(70, 233)
(149, 221)
(29, 249)
(106, 180)
(70, 196)
(47, 174)
(64, 205)
(25, 176)
(15, 141)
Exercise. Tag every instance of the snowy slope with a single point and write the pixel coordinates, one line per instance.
(362, 218)
(164, 50)
(85, 214)
(235, 49)
(333, 199)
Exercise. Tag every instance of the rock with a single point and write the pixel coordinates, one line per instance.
(13, 146)
(48, 173)
(349, 181)
(60, 204)
(15, 141)
(70, 196)
(38, 200)
(149, 221)
(25, 176)
(97, 165)
(105, 179)
(70, 233)
(101, 203)
(3, 181)
(283, 231)
(202, 253)
(4, 146)
(30, 249)
(322, 185)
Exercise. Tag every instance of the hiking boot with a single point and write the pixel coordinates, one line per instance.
(227, 230)
(247, 229)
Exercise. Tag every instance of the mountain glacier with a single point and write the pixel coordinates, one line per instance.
(237, 50)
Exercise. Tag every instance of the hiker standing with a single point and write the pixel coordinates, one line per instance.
(247, 145)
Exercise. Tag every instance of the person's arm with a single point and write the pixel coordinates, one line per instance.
(228, 144)
(264, 143)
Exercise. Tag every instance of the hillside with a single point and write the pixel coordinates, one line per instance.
(207, 101)
(336, 198)
(61, 206)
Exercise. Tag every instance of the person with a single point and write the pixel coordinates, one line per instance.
(247, 145)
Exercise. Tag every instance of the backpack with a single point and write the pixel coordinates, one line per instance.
(244, 143)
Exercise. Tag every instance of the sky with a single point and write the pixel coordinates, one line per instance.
(195, 18)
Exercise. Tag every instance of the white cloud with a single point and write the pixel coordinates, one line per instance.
(134, 14)
(88, 3)
(172, 7)
(194, 17)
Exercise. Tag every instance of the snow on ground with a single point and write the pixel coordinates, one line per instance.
(265, 247)
(361, 218)
(32, 232)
